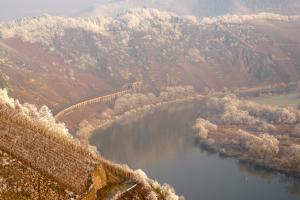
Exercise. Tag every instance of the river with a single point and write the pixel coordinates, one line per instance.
(162, 144)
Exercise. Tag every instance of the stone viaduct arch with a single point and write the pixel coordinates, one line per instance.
(128, 88)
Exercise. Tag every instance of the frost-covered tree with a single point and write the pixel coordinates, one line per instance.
(165, 191)
(263, 146)
(296, 131)
(264, 126)
(84, 131)
(233, 115)
(107, 114)
(294, 151)
(42, 116)
(236, 111)
(175, 92)
(203, 127)
(135, 100)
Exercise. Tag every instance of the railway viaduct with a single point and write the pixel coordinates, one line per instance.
(128, 88)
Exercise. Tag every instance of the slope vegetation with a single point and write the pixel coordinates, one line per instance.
(78, 58)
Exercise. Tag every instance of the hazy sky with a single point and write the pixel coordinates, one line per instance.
(10, 9)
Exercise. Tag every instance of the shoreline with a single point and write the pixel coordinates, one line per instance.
(239, 156)
(85, 138)
(250, 161)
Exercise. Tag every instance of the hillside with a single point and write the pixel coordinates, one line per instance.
(154, 57)
(59, 61)
(41, 160)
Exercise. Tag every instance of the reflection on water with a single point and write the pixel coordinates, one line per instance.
(135, 147)
(162, 144)
(292, 184)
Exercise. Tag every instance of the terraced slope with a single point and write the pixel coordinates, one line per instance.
(18, 181)
(41, 160)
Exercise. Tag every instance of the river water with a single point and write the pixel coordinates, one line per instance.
(162, 144)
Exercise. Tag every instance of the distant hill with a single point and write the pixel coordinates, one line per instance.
(59, 61)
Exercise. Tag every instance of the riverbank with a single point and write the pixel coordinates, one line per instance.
(161, 143)
(87, 129)
(246, 158)
(266, 136)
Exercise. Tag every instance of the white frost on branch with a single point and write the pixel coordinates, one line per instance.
(296, 131)
(294, 155)
(42, 116)
(165, 190)
(265, 127)
(45, 28)
(203, 127)
(135, 100)
(263, 146)
(236, 111)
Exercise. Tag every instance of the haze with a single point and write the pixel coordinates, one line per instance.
(15, 9)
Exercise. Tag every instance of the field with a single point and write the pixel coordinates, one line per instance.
(283, 100)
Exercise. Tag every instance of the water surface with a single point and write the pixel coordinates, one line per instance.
(162, 144)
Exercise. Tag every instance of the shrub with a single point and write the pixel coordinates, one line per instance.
(233, 115)
(203, 127)
(265, 127)
(294, 158)
(296, 131)
(263, 146)
(236, 111)
(42, 116)
(165, 191)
